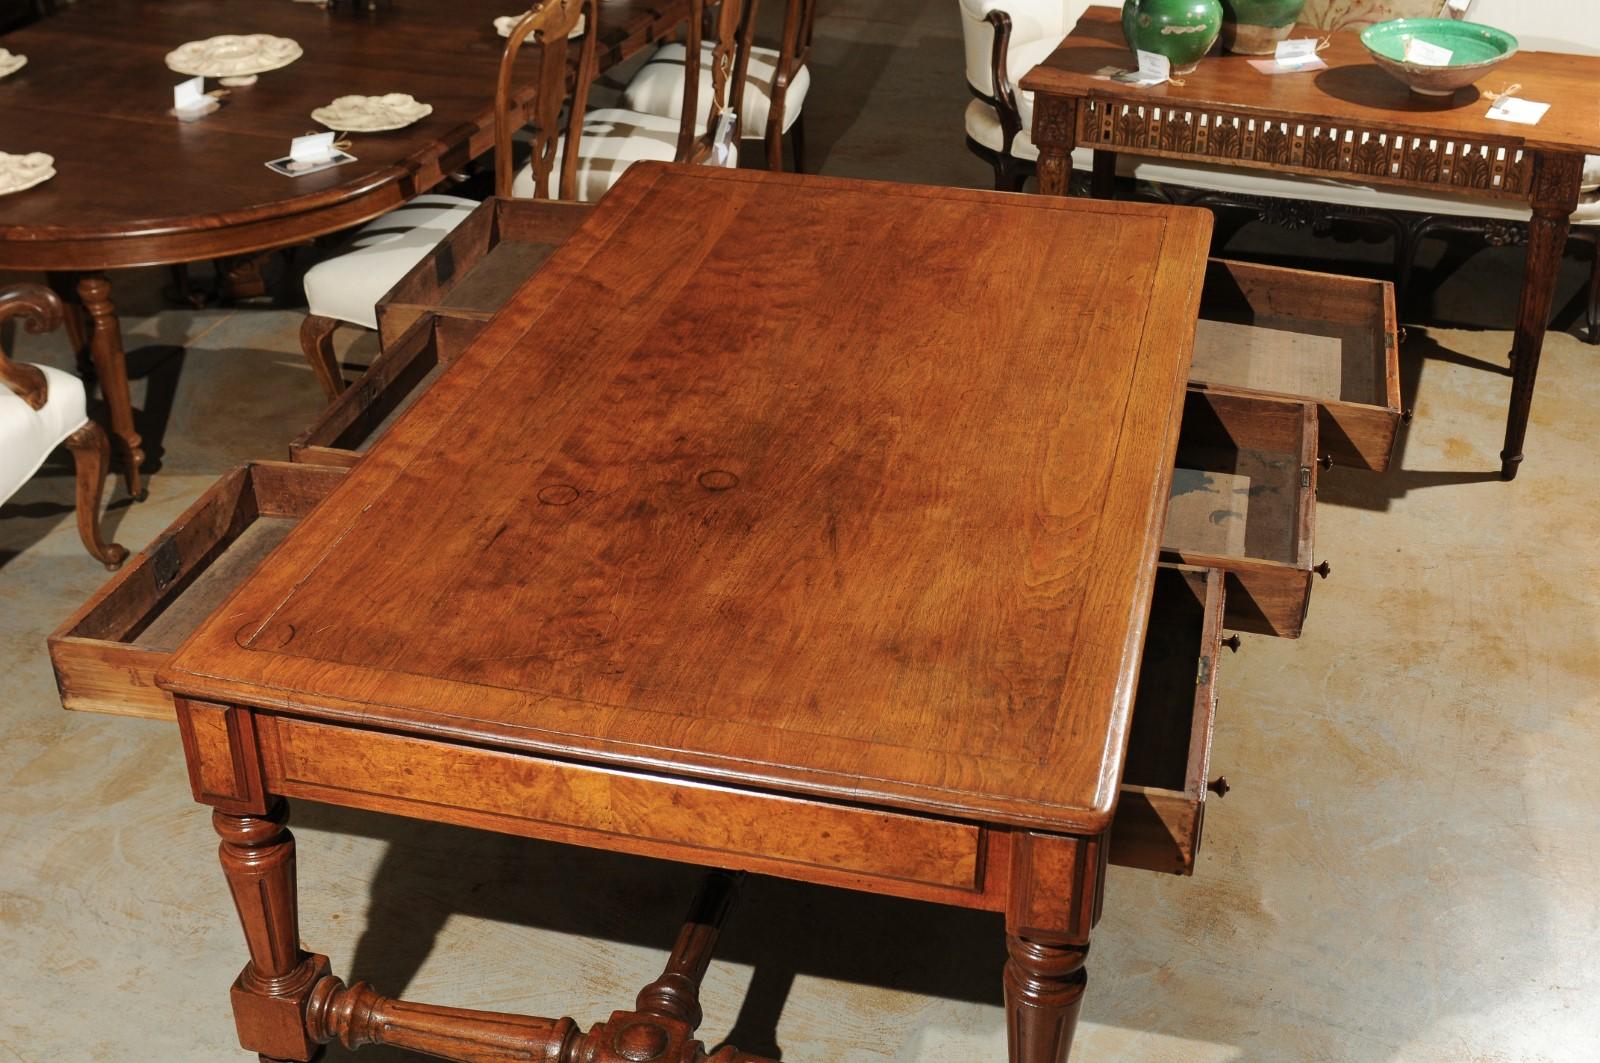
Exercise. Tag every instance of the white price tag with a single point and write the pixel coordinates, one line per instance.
(723, 151)
(190, 95)
(1425, 54)
(1523, 112)
(1154, 69)
(1154, 65)
(1296, 52)
(1458, 8)
(317, 147)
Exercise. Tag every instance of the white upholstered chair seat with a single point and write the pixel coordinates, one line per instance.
(27, 435)
(613, 139)
(348, 286)
(658, 88)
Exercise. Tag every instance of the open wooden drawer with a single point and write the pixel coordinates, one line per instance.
(107, 655)
(1311, 336)
(476, 269)
(1243, 500)
(363, 412)
(1162, 803)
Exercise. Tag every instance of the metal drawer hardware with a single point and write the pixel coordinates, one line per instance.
(1203, 672)
(1326, 462)
(1219, 786)
(1305, 476)
(1323, 570)
(1232, 642)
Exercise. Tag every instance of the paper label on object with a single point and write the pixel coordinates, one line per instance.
(317, 147)
(1523, 112)
(1303, 66)
(190, 95)
(723, 152)
(1426, 54)
(1154, 69)
(289, 166)
(1297, 51)
(1459, 7)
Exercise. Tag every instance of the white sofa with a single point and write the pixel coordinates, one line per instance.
(999, 120)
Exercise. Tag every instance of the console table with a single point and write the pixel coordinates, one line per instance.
(1350, 121)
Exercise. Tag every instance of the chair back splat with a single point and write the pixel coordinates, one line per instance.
(733, 22)
(549, 25)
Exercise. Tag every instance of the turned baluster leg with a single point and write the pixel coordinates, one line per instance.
(1556, 181)
(76, 320)
(271, 995)
(1056, 884)
(111, 366)
(1044, 989)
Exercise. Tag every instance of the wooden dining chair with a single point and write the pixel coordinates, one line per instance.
(614, 138)
(771, 106)
(345, 288)
(42, 408)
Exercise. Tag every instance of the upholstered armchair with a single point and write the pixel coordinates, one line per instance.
(42, 408)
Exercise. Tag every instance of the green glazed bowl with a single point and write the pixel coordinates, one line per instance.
(1474, 50)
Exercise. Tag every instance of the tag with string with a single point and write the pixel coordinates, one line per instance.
(723, 150)
(1300, 55)
(1504, 106)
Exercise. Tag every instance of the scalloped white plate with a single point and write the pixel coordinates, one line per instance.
(372, 114)
(10, 62)
(233, 55)
(506, 23)
(19, 173)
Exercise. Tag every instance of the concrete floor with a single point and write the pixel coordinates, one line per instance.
(1406, 868)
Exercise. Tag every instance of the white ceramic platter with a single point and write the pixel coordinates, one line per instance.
(506, 23)
(371, 114)
(20, 172)
(233, 56)
(10, 63)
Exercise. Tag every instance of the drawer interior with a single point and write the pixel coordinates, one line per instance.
(107, 654)
(1158, 818)
(1293, 332)
(366, 410)
(1243, 481)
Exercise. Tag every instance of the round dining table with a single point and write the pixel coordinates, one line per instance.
(135, 185)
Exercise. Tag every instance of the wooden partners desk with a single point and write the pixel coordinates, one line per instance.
(771, 527)
(1350, 121)
(136, 187)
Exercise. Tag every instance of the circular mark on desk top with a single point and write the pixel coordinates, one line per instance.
(558, 495)
(274, 636)
(717, 479)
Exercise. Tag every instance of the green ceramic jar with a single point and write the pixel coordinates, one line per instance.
(1181, 30)
(1254, 27)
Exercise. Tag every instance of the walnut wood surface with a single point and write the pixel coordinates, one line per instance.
(1353, 91)
(134, 186)
(827, 532)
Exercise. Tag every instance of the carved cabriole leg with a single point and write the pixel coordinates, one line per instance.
(316, 340)
(1055, 135)
(91, 455)
(1556, 181)
(272, 994)
(111, 366)
(1054, 902)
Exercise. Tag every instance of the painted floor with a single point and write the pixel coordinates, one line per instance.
(1406, 867)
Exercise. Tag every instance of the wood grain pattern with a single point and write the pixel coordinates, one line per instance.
(707, 525)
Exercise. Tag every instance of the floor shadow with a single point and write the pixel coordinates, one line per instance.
(781, 929)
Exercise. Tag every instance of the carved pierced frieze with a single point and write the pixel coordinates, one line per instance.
(1486, 167)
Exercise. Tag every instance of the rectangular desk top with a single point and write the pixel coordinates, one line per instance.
(838, 488)
(1353, 92)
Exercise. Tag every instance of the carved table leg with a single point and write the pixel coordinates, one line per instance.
(91, 454)
(1556, 181)
(1054, 901)
(1055, 135)
(271, 995)
(76, 320)
(1044, 988)
(111, 366)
